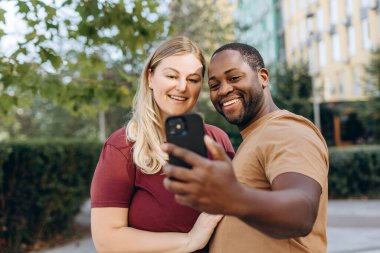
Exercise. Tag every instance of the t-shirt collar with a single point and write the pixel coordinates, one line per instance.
(244, 133)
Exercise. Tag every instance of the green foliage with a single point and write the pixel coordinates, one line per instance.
(209, 23)
(218, 31)
(83, 55)
(17, 83)
(45, 120)
(42, 186)
(354, 172)
(373, 105)
(292, 89)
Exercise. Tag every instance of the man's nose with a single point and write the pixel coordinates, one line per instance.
(225, 88)
(181, 85)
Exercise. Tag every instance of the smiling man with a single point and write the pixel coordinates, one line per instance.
(274, 192)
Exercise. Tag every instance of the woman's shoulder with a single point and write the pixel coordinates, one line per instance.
(221, 137)
(214, 130)
(118, 139)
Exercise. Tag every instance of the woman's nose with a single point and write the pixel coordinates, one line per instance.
(181, 85)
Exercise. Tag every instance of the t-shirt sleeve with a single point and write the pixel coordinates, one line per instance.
(113, 181)
(296, 149)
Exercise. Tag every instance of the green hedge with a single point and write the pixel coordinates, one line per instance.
(355, 172)
(42, 186)
(44, 183)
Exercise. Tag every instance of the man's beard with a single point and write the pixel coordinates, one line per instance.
(249, 110)
(244, 117)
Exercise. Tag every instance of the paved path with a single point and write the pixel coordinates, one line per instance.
(353, 227)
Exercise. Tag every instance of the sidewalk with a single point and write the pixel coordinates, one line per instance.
(353, 227)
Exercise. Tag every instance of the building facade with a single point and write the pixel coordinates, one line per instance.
(259, 24)
(336, 38)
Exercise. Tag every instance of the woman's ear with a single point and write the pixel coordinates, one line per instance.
(150, 78)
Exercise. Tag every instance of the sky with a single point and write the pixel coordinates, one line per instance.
(14, 28)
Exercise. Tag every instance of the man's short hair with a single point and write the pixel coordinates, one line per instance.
(250, 54)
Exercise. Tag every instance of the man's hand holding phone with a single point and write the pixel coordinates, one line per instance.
(186, 131)
(203, 186)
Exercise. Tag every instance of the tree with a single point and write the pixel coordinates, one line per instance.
(292, 89)
(81, 54)
(373, 91)
(210, 24)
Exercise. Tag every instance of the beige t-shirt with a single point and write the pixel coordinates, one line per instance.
(277, 143)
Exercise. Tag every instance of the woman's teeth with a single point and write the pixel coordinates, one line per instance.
(177, 98)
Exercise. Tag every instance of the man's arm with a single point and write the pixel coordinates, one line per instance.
(288, 210)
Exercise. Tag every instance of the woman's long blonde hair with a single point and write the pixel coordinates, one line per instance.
(145, 128)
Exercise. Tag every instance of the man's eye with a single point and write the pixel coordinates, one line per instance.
(235, 78)
(213, 86)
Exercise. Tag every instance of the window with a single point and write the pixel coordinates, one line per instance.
(302, 30)
(336, 47)
(310, 24)
(357, 89)
(351, 41)
(292, 7)
(341, 84)
(321, 53)
(320, 22)
(294, 36)
(334, 11)
(329, 88)
(271, 48)
(270, 23)
(311, 59)
(301, 4)
(365, 3)
(349, 7)
(365, 32)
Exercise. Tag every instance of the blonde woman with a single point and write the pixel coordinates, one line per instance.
(131, 210)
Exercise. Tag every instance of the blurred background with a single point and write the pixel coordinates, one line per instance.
(69, 70)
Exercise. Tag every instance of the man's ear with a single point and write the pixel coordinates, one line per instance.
(264, 77)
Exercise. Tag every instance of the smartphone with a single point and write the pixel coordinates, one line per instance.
(186, 131)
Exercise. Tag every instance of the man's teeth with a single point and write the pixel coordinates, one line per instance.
(230, 102)
(177, 98)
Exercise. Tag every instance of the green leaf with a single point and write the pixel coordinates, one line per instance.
(23, 7)
(55, 60)
(31, 36)
(2, 16)
(6, 103)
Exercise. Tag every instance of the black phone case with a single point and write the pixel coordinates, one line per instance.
(190, 137)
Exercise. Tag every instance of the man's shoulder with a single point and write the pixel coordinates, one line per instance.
(291, 127)
(287, 120)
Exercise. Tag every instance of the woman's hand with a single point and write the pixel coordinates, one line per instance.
(202, 230)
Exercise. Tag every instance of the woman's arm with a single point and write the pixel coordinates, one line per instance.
(111, 234)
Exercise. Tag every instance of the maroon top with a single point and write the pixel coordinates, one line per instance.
(117, 183)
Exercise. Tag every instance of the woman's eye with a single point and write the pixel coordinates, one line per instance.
(171, 77)
(193, 80)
